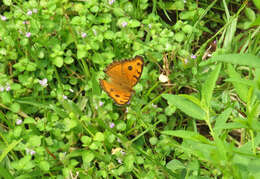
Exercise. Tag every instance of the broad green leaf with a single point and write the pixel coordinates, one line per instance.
(175, 165)
(257, 3)
(44, 165)
(15, 107)
(8, 148)
(192, 98)
(238, 59)
(187, 135)
(209, 85)
(87, 157)
(239, 80)
(233, 125)
(99, 137)
(5, 173)
(185, 106)
(250, 14)
(71, 107)
(177, 5)
(35, 140)
(221, 121)
(58, 61)
(241, 89)
(7, 2)
(129, 162)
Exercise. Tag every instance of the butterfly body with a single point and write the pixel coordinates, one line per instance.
(122, 77)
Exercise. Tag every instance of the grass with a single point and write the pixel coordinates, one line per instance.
(195, 111)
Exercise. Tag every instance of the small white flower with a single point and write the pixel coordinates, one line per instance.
(193, 56)
(150, 26)
(184, 1)
(43, 82)
(111, 125)
(185, 60)
(154, 105)
(65, 97)
(2, 88)
(32, 152)
(7, 87)
(28, 34)
(35, 10)
(163, 78)
(94, 31)
(101, 103)
(18, 121)
(29, 13)
(71, 90)
(26, 22)
(3, 18)
(110, 2)
(119, 161)
(83, 34)
(124, 24)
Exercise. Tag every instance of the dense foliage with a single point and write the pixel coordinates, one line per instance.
(195, 111)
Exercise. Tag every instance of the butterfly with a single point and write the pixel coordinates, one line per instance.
(122, 77)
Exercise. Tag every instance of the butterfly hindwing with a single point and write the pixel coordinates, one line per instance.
(118, 94)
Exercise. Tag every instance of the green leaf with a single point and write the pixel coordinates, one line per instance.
(129, 162)
(58, 61)
(209, 85)
(8, 148)
(29, 120)
(7, 2)
(250, 14)
(109, 34)
(256, 22)
(257, 4)
(175, 165)
(185, 106)
(87, 157)
(241, 89)
(221, 121)
(44, 165)
(15, 107)
(179, 36)
(118, 12)
(95, 83)
(99, 137)
(6, 97)
(238, 59)
(4, 173)
(134, 23)
(177, 5)
(81, 52)
(35, 140)
(31, 66)
(17, 131)
(187, 135)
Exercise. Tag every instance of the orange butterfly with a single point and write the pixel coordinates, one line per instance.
(123, 76)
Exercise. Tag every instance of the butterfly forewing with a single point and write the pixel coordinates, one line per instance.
(132, 70)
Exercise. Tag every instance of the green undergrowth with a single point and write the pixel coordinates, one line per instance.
(195, 110)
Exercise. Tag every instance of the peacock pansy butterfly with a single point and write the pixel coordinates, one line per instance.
(122, 77)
